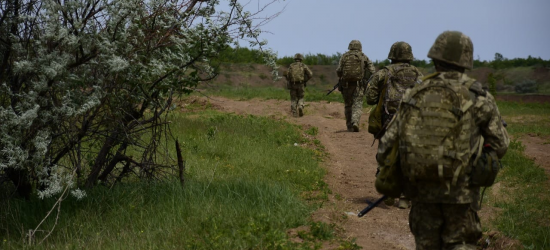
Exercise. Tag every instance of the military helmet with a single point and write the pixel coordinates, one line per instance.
(298, 56)
(401, 51)
(455, 48)
(354, 45)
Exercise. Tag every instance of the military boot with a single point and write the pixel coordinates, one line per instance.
(355, 127)
(403, 203)
(389, 201)
(300, 112)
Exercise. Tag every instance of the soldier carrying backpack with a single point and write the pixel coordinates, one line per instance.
(297, 76)
(353, 71)
(386, 88)
(444, 130)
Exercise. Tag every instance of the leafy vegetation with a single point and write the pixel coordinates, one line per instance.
(236, 196)
(82, 82)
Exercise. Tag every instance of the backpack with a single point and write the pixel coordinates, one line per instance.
(400, 78)
(397, 81)
(296, 72)
(353, 69)
(435, 129)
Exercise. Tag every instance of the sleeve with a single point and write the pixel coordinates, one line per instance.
(374, 86)
(308, 72)
(388, 140)
(369, 66)
(420, 76)
(339, 69)
(489, 121)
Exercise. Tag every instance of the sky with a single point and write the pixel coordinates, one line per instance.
(513, 28)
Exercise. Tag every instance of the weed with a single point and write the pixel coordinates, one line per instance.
(312, 131)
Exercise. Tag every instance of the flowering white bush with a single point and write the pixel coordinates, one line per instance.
(82, 80)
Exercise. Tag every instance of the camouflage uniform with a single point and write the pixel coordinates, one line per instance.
(353, 92)
(443, 218)
(399, 70)
(297, 88)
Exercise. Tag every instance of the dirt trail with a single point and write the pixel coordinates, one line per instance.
(351, 168)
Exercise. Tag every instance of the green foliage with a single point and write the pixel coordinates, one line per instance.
(312, 59)
(236, 196)
(312, 131)
(492, 81)
(240, 55)
(500, 62)
(527, 86)
(82, 82)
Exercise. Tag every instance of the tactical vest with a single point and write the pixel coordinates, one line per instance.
(296, 72)
(353, 66)
(400, 78)
(435, 129)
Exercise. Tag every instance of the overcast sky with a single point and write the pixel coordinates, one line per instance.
(514, 28)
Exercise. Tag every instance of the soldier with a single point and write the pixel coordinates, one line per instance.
(393, 80)
(297, 76)
(353, 70)
(444, 128)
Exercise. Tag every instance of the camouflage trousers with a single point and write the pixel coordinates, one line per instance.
(296, 98)
(444, 226)
(353, 103)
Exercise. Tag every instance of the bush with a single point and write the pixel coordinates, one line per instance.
(527, 86)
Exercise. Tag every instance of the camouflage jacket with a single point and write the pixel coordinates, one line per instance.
(307, 72)
(369, 67)
(376, 82)
(488, 125)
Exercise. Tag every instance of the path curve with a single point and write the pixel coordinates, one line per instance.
(350, 172)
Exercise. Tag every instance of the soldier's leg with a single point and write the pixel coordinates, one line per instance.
(462, 228)
(293, 101)
(426, 223)
(348, 102)
(357, 108)
(300, 96)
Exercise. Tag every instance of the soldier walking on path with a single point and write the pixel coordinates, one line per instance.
(387, 86)
(450, 137)
(353, 71)
(297, 76)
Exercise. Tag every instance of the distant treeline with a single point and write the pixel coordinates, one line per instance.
(245, 55)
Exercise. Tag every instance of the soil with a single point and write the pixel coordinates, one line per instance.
(350, 173)
(537, 148)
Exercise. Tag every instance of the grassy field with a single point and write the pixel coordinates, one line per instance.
(236, 196)
(524, 197)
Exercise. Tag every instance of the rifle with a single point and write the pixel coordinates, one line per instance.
(333, 89)
(371, 206)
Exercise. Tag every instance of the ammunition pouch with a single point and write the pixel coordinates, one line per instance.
(485, 168)
(389, 178)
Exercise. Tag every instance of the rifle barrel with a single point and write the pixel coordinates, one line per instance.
(371, 206)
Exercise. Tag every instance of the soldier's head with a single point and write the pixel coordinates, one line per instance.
(354, 45)
(452, 51)
(401, 52)
(298, 57)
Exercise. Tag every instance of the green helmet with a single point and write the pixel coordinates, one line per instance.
(354, 45)
(401, 51)
(298, 56)
(455, 48)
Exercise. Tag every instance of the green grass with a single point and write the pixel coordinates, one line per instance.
(246, 185)
(311, 94)
(524, 118)
(525, 213)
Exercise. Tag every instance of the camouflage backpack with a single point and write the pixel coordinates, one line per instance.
(353, 69)
(400, 78)
(435, 128)
(296, 72)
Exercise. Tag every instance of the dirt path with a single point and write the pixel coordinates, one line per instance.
(351, 168)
